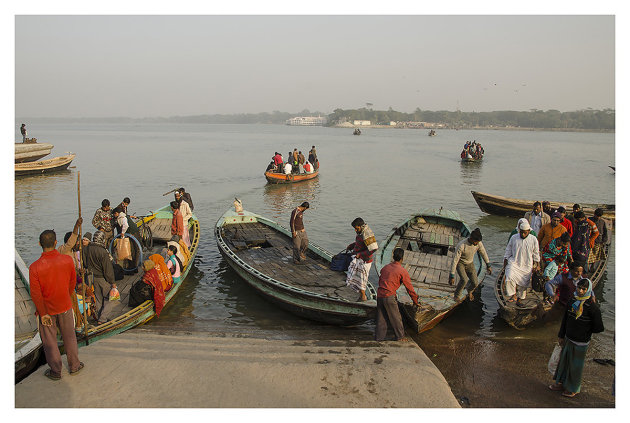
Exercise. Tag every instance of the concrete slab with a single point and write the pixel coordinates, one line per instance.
(147, 369)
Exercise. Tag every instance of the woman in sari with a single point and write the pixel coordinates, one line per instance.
(560, 246)
(582, 318)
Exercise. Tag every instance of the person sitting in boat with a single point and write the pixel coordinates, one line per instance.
(387, 314)
(308, 167)
(98, 261)
(552, 268)
(174, 264)
(464, 264)
(271, 167)
(288, 169)
(550, 231)
(364, 247)
(559, 246)
(537, 217)
(521, 259)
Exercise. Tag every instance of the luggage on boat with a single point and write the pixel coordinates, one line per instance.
(139, 293)
(538, 283)
(341, 261)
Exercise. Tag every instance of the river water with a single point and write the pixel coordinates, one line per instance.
(383, 176)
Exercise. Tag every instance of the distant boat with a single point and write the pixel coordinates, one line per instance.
(44, 166)
(512, 207)
(31, 151)
(28, 343)
(429, 239)
(357, 132)
(260, 251)
(432, 133)
(471, 160)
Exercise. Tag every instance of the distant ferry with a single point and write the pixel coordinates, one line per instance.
(306, 121)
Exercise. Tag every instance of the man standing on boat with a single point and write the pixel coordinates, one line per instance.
(312, 157)
(53, 278)
(387, 313)
(464, 263)
(298, 233)
(537, 218)
(102, 221)
(550, 231)
(364, 248)
(23, 131)
(521, 258)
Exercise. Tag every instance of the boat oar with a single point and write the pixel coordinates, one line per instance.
(85, 329)
(167, 193)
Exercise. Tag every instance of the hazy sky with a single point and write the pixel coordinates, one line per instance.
(145, 66)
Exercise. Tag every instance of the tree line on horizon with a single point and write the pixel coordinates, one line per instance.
(587, 119)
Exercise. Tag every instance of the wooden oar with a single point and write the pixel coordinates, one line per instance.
(85, 329)
(167, 193)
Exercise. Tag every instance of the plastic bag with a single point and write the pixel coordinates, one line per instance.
(554, 359)
(123, 248)
(114, 294)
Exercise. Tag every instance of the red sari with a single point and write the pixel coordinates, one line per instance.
(151, 277)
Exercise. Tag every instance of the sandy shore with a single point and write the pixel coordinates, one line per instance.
(140, 368)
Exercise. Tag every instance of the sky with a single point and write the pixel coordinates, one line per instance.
(160, 66)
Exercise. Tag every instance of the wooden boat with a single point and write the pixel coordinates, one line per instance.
(356, 132)
(533, 307)
(125, 317)
(503, 206)
(31, 151)
(281, 178)
(44, 166)
(432, 133)
(28, 344)
(429, 239)
(261, 252)
(471, 160)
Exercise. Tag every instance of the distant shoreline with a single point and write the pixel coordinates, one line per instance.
(482, 128)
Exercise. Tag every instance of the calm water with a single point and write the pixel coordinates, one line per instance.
(383, 176)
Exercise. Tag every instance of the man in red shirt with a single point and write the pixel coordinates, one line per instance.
(52, 279)
(387, 313)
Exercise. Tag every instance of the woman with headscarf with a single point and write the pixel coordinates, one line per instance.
(560, 246)
(582, 318)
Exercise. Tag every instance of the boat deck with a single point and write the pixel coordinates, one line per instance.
(271, 253)
(429, 251)
(25, 319)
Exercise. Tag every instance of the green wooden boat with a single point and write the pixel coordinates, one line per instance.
(260, 251)
(429, 239)
(28, 344)
(127, 317)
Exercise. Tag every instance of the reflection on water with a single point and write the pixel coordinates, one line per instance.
(471, 172)
(282, 198)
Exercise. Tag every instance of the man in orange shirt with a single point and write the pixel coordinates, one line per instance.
(550, 231)
(52, 279)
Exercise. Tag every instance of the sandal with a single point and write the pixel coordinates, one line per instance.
(569, 394)
(556, 387)
(512, 299)
(50, 375)
(81, 366)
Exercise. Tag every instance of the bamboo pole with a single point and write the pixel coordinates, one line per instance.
(85, 329)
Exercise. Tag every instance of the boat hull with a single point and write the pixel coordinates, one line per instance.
(511, 207)
(301, 302)
(29, 152)
(280, 178)
(436, 300)
(56, 164)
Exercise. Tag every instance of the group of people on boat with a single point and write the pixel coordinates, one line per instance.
(295, 163)
(561, 250)
(472, 150)
(432, 133)
(84, 266)
(356, 131)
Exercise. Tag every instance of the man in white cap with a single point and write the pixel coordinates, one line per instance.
(522, 256)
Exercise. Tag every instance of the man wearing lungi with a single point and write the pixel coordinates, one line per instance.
(521, 258)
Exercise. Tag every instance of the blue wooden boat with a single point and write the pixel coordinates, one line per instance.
(429, 239)
(125, 316)
(28, 344)
(260, 251)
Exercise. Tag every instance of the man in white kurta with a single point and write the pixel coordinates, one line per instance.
(521, 258)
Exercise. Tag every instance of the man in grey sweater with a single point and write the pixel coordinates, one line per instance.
(464, 263)
(99, 262)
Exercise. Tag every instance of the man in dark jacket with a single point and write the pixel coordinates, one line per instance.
(99, 263)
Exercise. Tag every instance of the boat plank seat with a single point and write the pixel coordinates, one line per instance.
(271, 253)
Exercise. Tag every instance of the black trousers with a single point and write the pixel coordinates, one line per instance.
(388, 316)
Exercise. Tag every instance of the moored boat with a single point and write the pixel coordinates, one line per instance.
(55, 164)
(260, 251)
(503, 206)
(281, 178)
(124, 317)
(31, 151)
(533, 307)
(429, 239)
(28, 344)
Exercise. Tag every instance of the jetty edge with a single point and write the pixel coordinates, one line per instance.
(429, 239)
(260, 251)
